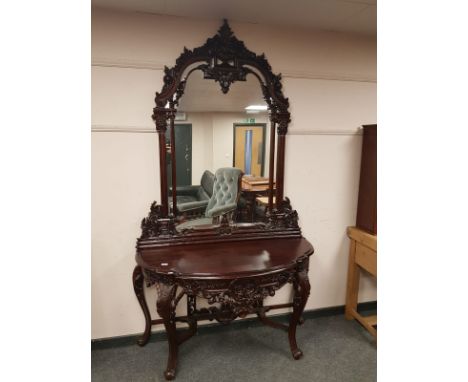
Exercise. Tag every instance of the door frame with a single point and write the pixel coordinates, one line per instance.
(183, 123)
(263, 140)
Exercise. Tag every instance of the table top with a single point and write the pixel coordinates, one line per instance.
(264, 199)
(255, 184)
(225, 259)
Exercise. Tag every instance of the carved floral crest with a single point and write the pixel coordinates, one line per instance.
(225, 59)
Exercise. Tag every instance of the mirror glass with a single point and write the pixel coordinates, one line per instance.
(215, 131)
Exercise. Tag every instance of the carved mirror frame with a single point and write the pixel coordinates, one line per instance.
(224, 59)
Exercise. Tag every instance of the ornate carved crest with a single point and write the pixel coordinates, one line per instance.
(225, 59)
(155, 225)
(287, 218)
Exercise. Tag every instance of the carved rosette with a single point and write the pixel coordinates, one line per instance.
(225, 75)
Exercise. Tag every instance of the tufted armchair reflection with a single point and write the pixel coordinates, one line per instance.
(192, 200)
(223, 201)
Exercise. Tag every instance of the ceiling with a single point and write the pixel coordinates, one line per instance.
(350, 16)
(202, 95)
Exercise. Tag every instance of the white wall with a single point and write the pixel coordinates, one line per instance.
(330, 81)
(212, 139)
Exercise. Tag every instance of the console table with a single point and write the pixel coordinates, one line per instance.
(236, 277)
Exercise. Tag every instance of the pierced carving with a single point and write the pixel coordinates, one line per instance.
(286, 218)
(225, 74)
(236, 298)
(239, 296)
(155, 225)
(225, 59)
(153, 278)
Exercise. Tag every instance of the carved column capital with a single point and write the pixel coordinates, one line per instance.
(283, 119)
(161, 115)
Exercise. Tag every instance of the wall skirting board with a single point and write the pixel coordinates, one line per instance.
(150, 129)
(159, 335)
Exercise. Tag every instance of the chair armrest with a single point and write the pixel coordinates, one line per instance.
(186, 190)
(191, 206)
(218, 211)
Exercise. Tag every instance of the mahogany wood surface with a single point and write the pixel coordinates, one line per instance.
(234, 259)
(234, 266)
(234, 278)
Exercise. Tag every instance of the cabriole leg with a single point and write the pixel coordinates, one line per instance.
(166, 309)
(138, 281)
(301, 294)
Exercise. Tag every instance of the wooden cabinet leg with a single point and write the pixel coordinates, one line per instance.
(191, 308)
(166, 309)
(352, 288)
(138, 281)
(301, 294)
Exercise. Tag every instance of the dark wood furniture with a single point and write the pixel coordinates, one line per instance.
(237, 277)
(367, 201)
(232, 265)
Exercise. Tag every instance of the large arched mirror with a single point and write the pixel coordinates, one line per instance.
(212, 131)
(222, 118)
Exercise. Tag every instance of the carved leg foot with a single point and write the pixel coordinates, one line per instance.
(169, 374)
(301, 293)
(166, 309)
(138, 281)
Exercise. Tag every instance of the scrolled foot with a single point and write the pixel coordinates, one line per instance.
(142, 341)
(169, 374)
(301, 321)
(297, 353)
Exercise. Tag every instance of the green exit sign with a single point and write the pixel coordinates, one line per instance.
(250, 120)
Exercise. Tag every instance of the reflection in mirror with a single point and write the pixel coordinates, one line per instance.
(215, 134)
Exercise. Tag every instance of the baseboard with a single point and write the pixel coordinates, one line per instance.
(160, 335)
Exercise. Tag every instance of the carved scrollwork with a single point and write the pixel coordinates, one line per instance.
(235, 298)
(240, 296)
(153, 278)
(287, 218)
(154, 225)
(226, 60)
(161, 115)
(225, 74)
